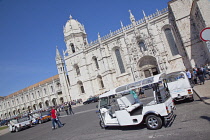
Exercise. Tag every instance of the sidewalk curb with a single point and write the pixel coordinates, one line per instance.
(200, 97)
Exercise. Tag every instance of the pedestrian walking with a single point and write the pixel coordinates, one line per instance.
(66, 109)
(194, 76)
(70, 109)
(200, 76)
(54, 118)
(189, 75)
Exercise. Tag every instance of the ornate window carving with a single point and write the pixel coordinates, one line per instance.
(171, 41)
(142, 46)
(119, 60)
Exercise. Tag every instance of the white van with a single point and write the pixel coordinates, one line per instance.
(119, 108)
(179, 86)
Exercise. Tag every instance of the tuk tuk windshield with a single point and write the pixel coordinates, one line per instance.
(104, 102)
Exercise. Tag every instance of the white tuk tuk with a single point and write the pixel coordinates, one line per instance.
(179, 86)
(119, 108)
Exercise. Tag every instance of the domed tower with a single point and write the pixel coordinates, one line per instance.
(75, 36)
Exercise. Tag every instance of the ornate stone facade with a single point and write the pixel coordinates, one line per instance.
(165, 41)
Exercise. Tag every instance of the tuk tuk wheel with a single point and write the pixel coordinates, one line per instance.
(103, 126)
(153, 122)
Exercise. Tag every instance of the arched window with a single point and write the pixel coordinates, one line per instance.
(82, 90)
(96, 62)
(171, 41)
(119, 60)
(27, 97)
(142, 46)
(32, 95)
(38, 93)
(77, 70)
(52, 88)
(17, 101)
(72, 47)
(100, 80)
(8, 104)
(22, 99)
(45, 91)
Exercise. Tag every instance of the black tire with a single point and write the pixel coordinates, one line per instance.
(153, 122)
(101, 123)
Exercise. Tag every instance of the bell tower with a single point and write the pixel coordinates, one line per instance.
(75, 36)
(63, 76)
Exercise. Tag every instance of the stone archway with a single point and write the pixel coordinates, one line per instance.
(34, 106)
(47, 103)
(14, 112)
(54, 101)
(148, 66)
(29, 108)
(18, 111)
(40, 105)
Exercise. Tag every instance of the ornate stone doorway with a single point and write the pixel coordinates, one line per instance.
(148, 66)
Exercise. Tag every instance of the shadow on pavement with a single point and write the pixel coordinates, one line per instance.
(205, 117)
(127, 128)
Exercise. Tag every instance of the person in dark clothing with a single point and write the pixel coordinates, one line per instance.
(200, 76)
(194, 73)
(70, 109)
(66, 109)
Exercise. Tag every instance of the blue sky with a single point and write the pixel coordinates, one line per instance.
(31, 29)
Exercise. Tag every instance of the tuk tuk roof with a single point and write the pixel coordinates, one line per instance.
(141, 83)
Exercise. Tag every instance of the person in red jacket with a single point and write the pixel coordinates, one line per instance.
(54, 118)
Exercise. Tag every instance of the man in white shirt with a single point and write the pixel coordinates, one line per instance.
(189, 75)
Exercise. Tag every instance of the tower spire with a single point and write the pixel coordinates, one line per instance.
(58, 56)
(132, 18)
(145, 17)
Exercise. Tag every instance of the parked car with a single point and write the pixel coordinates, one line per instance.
(20, 124)
(41, 117)
(91, 100)
(4, 122)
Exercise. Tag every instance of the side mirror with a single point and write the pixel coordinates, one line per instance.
(96, 106)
